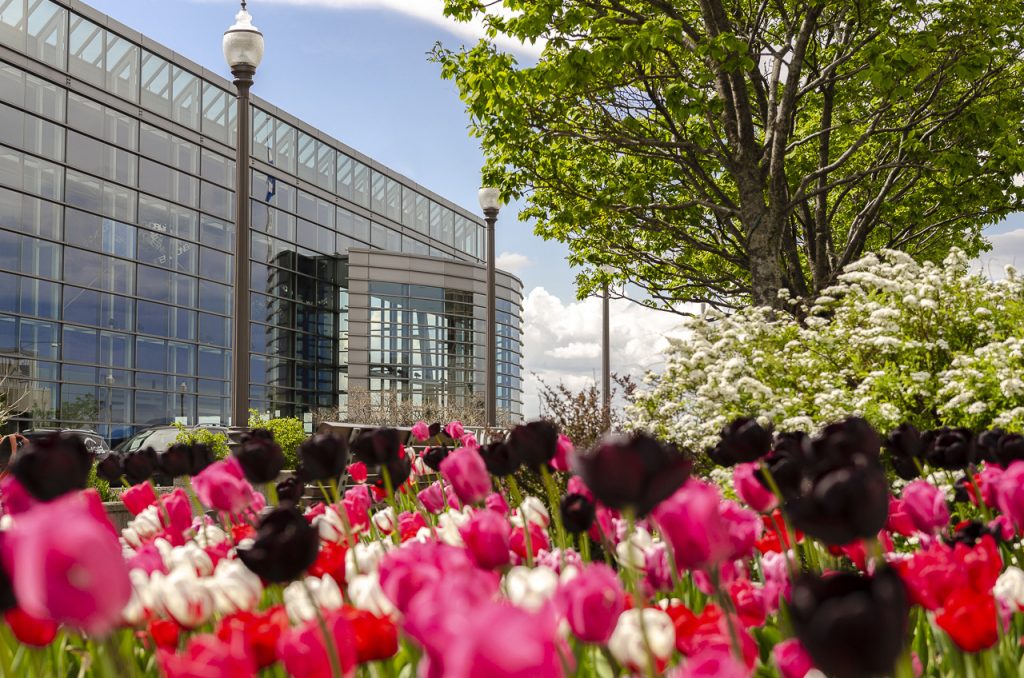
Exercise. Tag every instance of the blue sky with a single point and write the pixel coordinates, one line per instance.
(358, 70)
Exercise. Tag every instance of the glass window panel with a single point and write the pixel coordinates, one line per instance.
(12, 24)
(263, 140)
(80, 345)
(214, 330)
(378, 236)
(167, 252)
(360, 183)
(165, 182)
(39, 298)
(284, 141)
(89, 307)
(213, 362)
(185, 103)
(9, 298)
(44, 98)
(153, 318)
(217, 233)
(101, 159)
(215, 112)
(325, 166)
(218, 169)
(379, 193)
(101, 196)
(214, 297)
(344, 184)
(394, 200)
(86, 51)
(47, 33)
(122, 68)
(156, 84)
(217, 200)
(153, 408)
(361, 228)
(214, 265)
(95, 271)
(306, 205)
(165, 217)
(115, 349)
(151, 354)
(307, 157)
(100, 234)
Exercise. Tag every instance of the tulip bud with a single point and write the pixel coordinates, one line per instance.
(323, 457)
(260, 456)
(53, 465)
(466, 472)
(577, 513)
(285, 546)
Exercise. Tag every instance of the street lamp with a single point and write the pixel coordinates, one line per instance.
(109, 379)
(182, 388)
(243, 50)
(606, 349)
(490, 203)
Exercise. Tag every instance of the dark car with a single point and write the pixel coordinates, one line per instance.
(94, 442)
(159, 437)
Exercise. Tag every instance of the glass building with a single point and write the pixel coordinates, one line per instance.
(116, 237)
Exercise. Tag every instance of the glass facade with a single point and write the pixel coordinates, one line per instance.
(117, 232)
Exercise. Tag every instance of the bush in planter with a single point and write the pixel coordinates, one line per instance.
(218, 442)
(289, 432)
(894, 340)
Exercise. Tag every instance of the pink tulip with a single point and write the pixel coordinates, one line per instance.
(563, 450)
(16, 499)
(67, 565)
(486, 536)
(92, 504)
(207, 655)
(178, 506)
(303, 652)
(743, 527)
(222, 486)
(1010, 492)
(776, 580)
(713, 663)
(496, 503)
(899, 520)
(148, 559)
(138, 497)
(465, 470)
(792, 659)
(577, 486)
(357, 504)
(692, 524)
(420, 430)
(750, 489)
(657, 570)
(468, 440)
(454, 430)
(500, 639)
(432, 497)
(926, 507)
(408, 571)
(592, 602)
(988, 481)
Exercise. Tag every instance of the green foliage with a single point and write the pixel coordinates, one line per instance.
(722, 154)
(218, 442)
(289, 432)
(893, 341)
(102, 486)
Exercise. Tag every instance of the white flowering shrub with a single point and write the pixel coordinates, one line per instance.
(894, 340)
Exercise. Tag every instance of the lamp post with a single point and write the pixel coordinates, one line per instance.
(109, 379)
(243, 50)
(182, 387)
(490, 203)
(606, 350)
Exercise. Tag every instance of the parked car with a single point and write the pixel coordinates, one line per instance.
(94, 442)
(159, 438)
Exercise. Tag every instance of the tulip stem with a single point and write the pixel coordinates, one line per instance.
(390, 490)
(725, 602)
(790, 534)
(633, 585)
(556, 513)
(160, 502)
(977, 493)
(329, 644)
(114, 655)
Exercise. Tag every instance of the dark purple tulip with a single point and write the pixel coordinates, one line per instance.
(635, 471)
(843, 505)
(110, 468)
(500, 459)
(906, 451)
(7, 599)
(53, 465)
(534, 443)
(176, 460)
(852, 625)
(971, 532)
(786, 464)
(1010, 449)
(952, 449)
(284, 548)
(434, 456)
(399, 469)
(987, 445)
(139, 465)
(290, 491)
(322, 457)
(260, 456)
(378, 446)
(577, 513)
(841, 444)
(742, 441)
(433, 430)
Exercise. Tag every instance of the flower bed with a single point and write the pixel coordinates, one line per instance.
(818, 567)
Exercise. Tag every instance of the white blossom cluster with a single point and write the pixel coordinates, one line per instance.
(894, 340)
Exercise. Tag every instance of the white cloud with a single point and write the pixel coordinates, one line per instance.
(430, 11)
(1007, 250)
(512, 262)
(562, 341)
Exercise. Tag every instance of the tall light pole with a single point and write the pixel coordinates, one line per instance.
(109, 379)
(243, 50)
(490, 203)
(606, 349)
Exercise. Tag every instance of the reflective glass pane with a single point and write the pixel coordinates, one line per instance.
(156, 84)
(185, 102)
(122, 67)
(86, 51)
(47, 33)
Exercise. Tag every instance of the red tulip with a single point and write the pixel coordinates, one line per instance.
(30, 630)
(538, 540)
(330, 561)
(970, 620)
(138, 497)
(376, 637)
(261, 631)
(207, 655)
(165, 633)
(357, 472)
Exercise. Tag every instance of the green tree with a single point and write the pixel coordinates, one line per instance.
(218, 442)
(289, 432)
(721, 151)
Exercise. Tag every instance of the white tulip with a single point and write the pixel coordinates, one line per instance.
(365, 593)
(629, 642)
(532, 510)
(419, 467)
(363, 558)
(183, 597)
(234, 587)
(448, 524)
(632, 552)
(385, 520)
(302, 599)
(190, 555)
(210, 535)
(1009, 587)
(142, 602)
(330, 525)
(529, 588)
